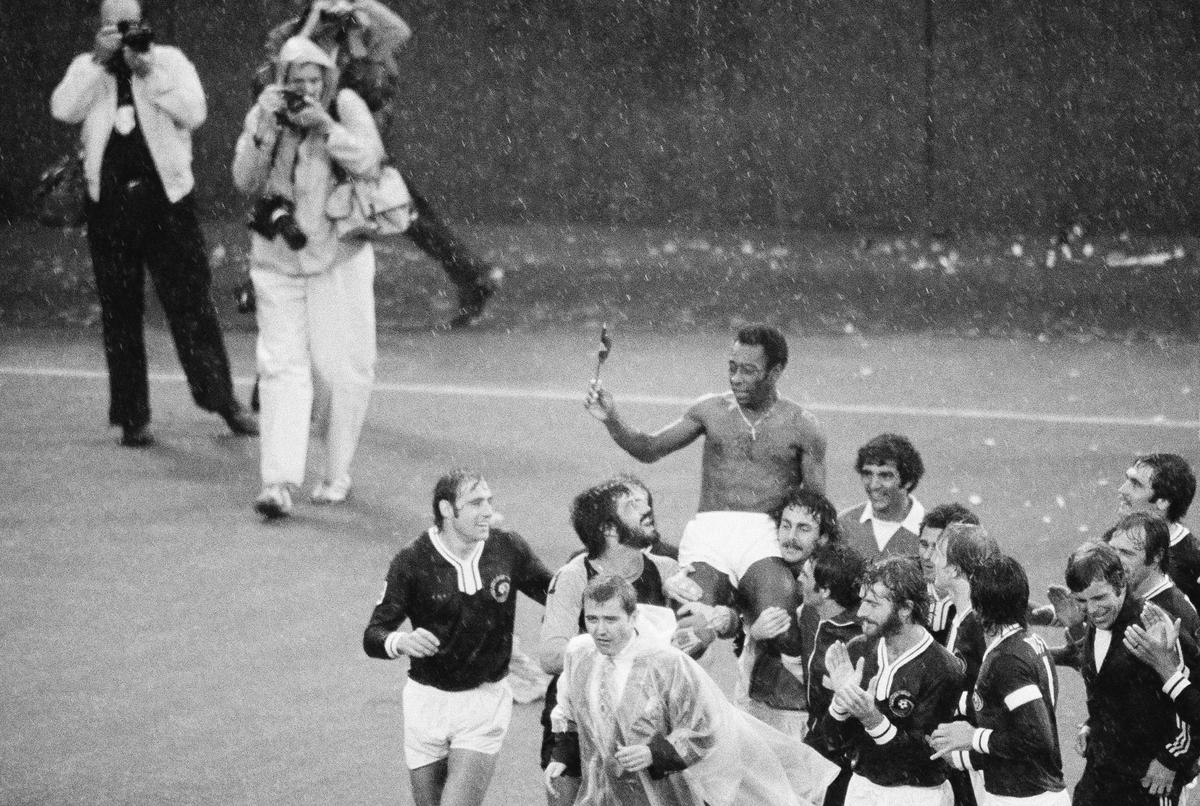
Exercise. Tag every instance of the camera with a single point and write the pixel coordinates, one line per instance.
(293, 102)
(137, 36)
(276, 216)
(339, 13)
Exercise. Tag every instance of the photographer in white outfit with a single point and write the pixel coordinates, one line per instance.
(316, 305)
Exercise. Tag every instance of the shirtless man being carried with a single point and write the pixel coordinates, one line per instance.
(757, 447)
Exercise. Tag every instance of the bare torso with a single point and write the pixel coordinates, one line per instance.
(749, 464)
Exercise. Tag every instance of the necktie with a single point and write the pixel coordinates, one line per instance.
(607, 700)
(126, 117)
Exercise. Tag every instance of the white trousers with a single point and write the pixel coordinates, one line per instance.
(316, 356)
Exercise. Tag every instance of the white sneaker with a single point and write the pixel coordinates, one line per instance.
(332, 492)
(274, 501)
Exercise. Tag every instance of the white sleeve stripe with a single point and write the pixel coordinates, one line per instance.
(964, 760)
(887, 735)
(1175, 684)
(389, 645)
(884, 732)
(963, 703)
(1022, 696)
(981, 740)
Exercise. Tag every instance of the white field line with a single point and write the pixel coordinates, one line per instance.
(509, 393)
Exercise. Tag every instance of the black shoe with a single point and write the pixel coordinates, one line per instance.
(240, 422)
(473, 298)
(136, 436)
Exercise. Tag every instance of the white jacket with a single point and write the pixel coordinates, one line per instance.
(170, 106)
(353, 143)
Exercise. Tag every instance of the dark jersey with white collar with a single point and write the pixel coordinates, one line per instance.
(915, 693)
(1016, 740)
(1183, 560)
(470, 605)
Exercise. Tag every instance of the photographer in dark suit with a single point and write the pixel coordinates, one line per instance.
(138, 103)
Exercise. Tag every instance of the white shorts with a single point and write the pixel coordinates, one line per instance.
(862, 792)
(436, 721)
(1044, 799)
(730, 542)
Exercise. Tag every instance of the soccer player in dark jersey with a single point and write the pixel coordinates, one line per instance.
(960, 550)
(615, 522)
(1013, 732)
(457, 585)
(830, 582)
(913, 685)
(941, 604)
(758, 445)
(1163, 483)
(1136, 748)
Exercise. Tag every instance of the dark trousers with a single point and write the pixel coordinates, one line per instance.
(433, 237)
(127, 238)
(1098, 787)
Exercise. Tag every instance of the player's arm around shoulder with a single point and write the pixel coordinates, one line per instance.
(560, 622)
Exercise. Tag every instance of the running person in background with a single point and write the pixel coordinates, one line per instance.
(363, 37)
(457, 585)
(757, 446)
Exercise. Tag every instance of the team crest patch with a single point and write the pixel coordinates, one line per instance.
(976, 701)
(501, 586)
(900, 703)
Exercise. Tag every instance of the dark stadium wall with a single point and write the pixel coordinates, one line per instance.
(810, 113)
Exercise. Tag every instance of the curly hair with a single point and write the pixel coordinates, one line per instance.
(897, 450)
(905, 582)
(820, 507)
(594, 509)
